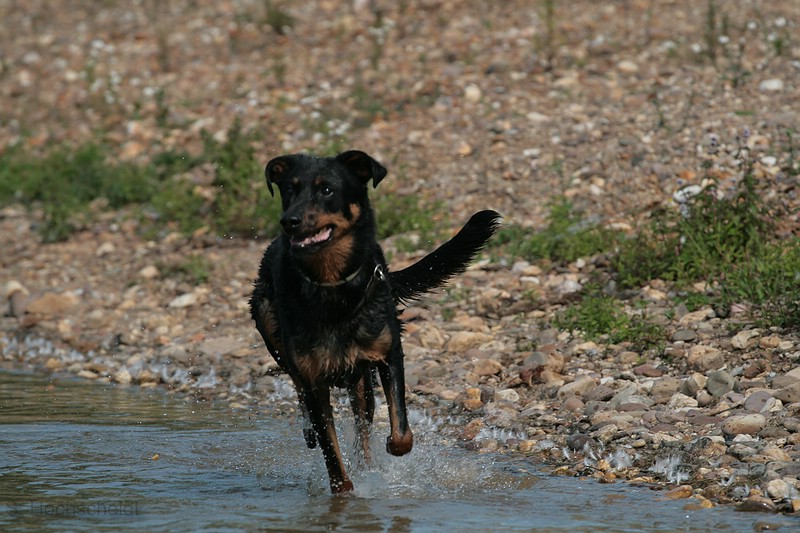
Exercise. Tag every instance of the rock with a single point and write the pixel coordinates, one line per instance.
(778, 489)
(487, 367)
(719, 382)
(681, 401)
(749, 424)
(790, 394)
(648, 371)
(756, 505)
(506, 395)
(549, 361)
(704, 399)
(107, 248)
(53, 303)
(573, 403)
(461, 341)
(590, 348)
(601, 393)
(122, 376)
(149, 272)
(745, 339)
(579, 387)
(705, 358)
(471, 399)
(684, 335)
(17, 296)
(691, 385)
(187, 300)
(626, 66)
(578, 441)
(628, 395)
(697, 316)
(220, 346)
(472, 93)
(759, 401)
(771, 85)
(681, 492)
(664, 388)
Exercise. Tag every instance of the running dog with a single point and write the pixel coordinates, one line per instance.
(326, 303)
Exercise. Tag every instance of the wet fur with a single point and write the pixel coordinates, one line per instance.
(325, 314)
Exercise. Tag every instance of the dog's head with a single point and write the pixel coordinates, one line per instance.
(323, 198)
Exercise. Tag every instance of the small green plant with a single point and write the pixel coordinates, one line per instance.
(236, 203)
(710, 234)
(768, 284)
(567, 237)
(398, 214)
(277, 17)
(599, 315)
(64, 181)
(195, 270)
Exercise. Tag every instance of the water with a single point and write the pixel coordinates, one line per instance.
(84, 456)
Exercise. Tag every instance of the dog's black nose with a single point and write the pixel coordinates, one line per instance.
(291, 222)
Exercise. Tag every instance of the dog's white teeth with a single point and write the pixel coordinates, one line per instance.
(317, 237)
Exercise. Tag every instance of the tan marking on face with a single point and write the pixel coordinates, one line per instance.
(329, 263)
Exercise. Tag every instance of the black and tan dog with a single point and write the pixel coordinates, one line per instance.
(326, 304)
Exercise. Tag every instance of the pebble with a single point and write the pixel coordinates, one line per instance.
(745, 339)
(579, 387)
(461, 341)
(771, 85)
(52, 303)
(684, 335)
(719, 383)
(747, 424)
(506, 395)
(705, 358)
(790, 394)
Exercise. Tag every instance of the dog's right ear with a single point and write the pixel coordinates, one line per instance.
(277, 169)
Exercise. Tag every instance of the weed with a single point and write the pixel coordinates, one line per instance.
(397, 214)
(769, 284)
(599, 315)
(277, 18)
(710, 234)
(64, 181)
(567, 237)
(195, 270)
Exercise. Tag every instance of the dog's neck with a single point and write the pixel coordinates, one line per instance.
(336, 283)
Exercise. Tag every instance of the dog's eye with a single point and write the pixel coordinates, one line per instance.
(326, 191)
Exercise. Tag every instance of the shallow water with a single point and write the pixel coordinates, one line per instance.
(84, 456)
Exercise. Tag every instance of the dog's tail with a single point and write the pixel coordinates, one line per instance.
(447, 260)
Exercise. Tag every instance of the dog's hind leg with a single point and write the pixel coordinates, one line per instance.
(318, 404)
(400, 440)
(362, 401)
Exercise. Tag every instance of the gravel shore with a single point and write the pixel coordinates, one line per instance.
(470, 106)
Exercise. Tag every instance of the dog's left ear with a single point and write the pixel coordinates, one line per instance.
(362, 166)
(277, 169)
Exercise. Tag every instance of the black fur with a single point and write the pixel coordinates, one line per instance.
(326, 305)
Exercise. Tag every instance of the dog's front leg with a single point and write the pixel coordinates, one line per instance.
(318, 404)
(362, 401)
(400, 440)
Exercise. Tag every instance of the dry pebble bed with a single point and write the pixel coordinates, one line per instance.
(469, 106)
(716, 419)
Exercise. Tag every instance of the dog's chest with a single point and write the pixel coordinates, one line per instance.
(331, 355)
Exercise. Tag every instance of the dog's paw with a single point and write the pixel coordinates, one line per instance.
(400, 444)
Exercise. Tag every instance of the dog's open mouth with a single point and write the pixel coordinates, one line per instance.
(319, 237)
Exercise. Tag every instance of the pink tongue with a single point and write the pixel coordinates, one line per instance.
(317, 237)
